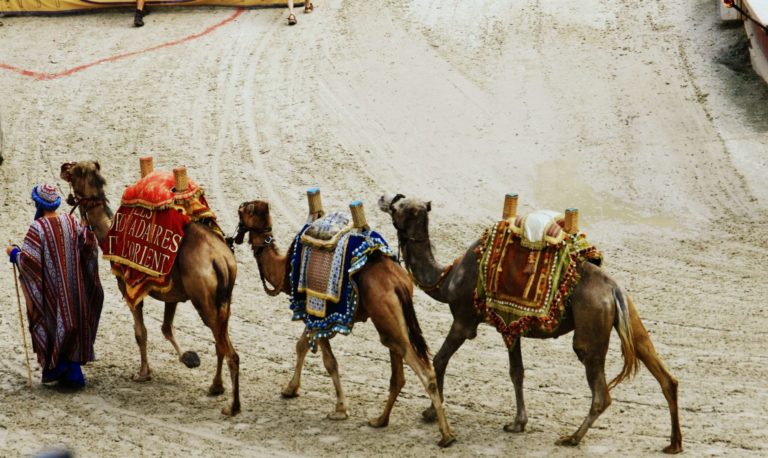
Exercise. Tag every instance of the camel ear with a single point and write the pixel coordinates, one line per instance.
(98, 166)
(429, 206)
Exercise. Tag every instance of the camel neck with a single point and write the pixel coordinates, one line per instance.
(426, 271)
(100, 219)
(274, 268)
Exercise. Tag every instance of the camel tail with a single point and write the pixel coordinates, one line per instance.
(225, 282)
(414, 330)
(623, 328)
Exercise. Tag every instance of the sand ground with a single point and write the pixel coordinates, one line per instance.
(644, 115)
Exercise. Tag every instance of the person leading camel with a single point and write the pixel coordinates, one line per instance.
(58, 266)
(308, 7)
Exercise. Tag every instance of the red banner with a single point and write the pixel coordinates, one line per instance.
(145, 240)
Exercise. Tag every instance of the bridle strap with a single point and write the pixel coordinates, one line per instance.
(435, 285)
(257, 251)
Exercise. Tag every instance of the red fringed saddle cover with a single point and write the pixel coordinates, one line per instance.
(147, 231)
(524, 284)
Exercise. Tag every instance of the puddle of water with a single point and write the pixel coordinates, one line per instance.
(560, 186)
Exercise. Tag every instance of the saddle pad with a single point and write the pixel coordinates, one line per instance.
(539, 229)
(327, 231)
(323, 282)
(321, 275)
(520, 289)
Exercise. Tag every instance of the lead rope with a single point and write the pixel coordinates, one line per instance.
(270, 292)
(732, 4)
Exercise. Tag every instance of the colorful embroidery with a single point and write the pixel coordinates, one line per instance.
(519, 288)
(323, 286)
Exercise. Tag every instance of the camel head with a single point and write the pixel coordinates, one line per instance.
(256, 221)
(409, 216)
(85, 179)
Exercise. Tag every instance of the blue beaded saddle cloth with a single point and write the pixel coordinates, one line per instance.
(326, 256)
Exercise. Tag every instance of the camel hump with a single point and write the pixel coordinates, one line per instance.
(327, 231)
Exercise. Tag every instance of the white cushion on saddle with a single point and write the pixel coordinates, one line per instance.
(535, 224)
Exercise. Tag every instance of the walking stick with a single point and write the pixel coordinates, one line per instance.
(21, 324)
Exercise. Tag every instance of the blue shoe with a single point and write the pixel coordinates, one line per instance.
(74, 377)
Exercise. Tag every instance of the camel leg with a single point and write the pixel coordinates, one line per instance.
(428, 378)
(189, 358)
(140, 331)
(216, 317)
(516, 372)
(217, 386)
(455, 339)
(340, 413)
(302, 347)
(224, 349)
(647, 354)
(591, 346)
(396, 383)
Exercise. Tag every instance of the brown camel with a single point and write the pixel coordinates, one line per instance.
(597, 304)
(204, 272)
(385, 295)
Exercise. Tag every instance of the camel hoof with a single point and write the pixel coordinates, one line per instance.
(379, 422)
(231, 411)
(190, 359)
(567, 441)
(139, 378)
(215, 390)
(446, 441)
(429, 414)
(673, 449)
(338, 415)
(514, 427)
(289, 392)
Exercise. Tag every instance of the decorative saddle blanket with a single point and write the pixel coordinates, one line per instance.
(519, 288)
(147, 231)
(323, 288)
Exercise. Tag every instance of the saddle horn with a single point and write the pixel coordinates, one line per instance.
(571, 224)
(510, 206)
(358, 215)
(315, 204)
(146, 164)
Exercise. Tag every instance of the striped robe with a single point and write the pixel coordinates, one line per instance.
(58, 266)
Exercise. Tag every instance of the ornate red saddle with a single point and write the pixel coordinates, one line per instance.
(527, 271)
(147, 231)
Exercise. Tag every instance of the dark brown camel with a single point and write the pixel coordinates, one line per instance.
(204, 272)
(597, 304)
(385, 292)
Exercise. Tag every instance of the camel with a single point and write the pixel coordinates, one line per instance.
(597, 304)
(204, 273)
(385, 295)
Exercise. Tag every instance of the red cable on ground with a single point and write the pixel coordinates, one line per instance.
(52, 76)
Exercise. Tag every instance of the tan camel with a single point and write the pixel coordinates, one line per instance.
(385, 292)
(597, 304)
(204, 272)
